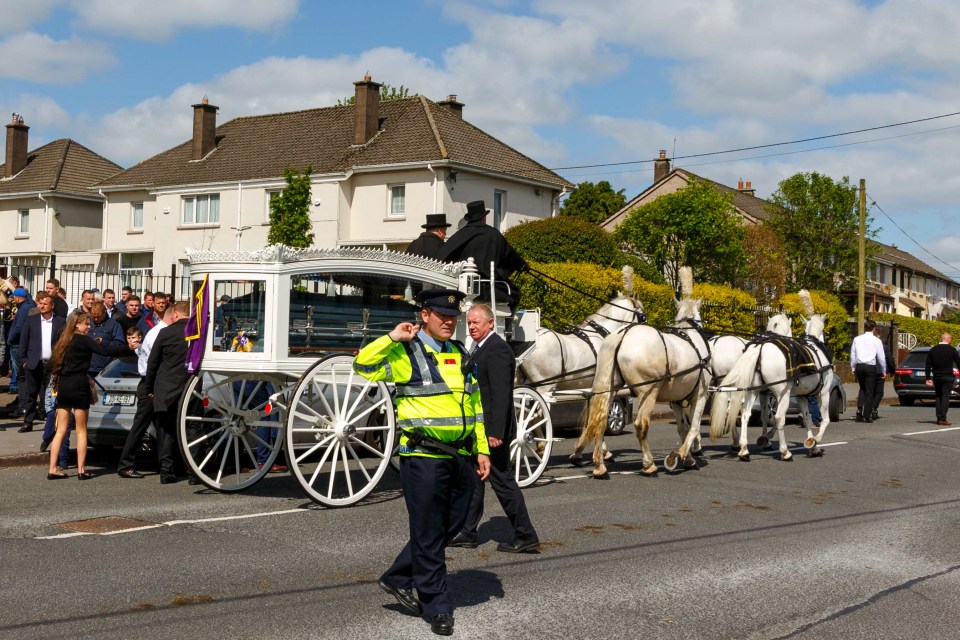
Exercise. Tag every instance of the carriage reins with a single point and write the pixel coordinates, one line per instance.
(640, 315)
(766, 338)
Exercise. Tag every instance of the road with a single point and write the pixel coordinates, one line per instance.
(858, 544)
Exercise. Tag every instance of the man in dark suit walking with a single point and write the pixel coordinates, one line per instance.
(429, 243)
(40, 333)
(165, 381)
(942, 360)
(496, 368)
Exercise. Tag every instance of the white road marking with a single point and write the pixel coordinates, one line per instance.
(821, 445)
(172, 523)
(920, 433)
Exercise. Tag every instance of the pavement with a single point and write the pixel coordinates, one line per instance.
(23, 449)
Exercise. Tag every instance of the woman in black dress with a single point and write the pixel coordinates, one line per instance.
(69, 364)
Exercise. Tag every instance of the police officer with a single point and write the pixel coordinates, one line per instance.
(439, 412)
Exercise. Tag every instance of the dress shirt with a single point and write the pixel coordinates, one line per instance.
(143, 351)
(867, 349)
(46, 337)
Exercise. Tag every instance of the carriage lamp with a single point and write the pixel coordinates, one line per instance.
(408, 293)
(331, 291)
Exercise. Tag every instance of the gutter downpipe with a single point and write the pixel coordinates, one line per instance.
(239, 202)
(106, 226)
(47, 242)
(553, 213)
(431, 169)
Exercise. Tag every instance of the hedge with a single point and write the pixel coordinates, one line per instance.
(726, 310)
(928, 332)
(836, 332)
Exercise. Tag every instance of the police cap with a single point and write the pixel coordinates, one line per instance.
(445, 301)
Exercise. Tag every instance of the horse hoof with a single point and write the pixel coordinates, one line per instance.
(810, 443)
(815, 452)
(650, 472)
(671, 462)
(607, 456)
(691, 465)
(745, 457)
(577, 462)
(763, 441)
(601, 476)
(786, 457)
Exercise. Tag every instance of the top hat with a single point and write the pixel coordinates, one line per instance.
(436, 220)
(476, 210)
(445, 301)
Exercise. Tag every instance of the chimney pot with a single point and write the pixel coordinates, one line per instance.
(740, 185)
(16, 159)
(204, 128)
(748, 185)
(451, 105)
(661, 167)
(663, 154)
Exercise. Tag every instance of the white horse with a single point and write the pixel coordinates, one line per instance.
(764, 368)
(668, 365)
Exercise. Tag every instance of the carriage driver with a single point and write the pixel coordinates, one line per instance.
(439, 412)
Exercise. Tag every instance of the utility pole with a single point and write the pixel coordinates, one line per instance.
(862, 276)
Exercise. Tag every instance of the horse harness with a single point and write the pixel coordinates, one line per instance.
(799, 354)
(684, 334)
(583, 335)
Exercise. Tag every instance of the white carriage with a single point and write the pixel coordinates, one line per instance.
(277, 370)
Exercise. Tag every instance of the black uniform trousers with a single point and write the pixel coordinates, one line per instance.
(508, 493)
(437, 493)
(32, 386)
(867, 376)
(141, 422)
(171, 461)
(942, 386)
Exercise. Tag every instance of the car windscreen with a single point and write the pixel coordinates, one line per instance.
(121, 368)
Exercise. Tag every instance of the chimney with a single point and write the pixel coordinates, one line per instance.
(661, 167)
(366, 114)
(451, 105)
(204, 129)
(16, 147)
(749, 190)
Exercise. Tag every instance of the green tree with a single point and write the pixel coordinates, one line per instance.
(290, 212)
(593, 202)
(694, 226)
(387, 92)
(817, 221)
(766, 273)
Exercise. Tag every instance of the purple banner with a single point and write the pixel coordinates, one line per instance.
(196, 329)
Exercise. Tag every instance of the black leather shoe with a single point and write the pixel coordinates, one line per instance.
(194, 480)
(130, 473)
(44, 445)
(463, 541)
(519, 546)
(442, 624)
(27, 428)
(406, 598)
(169, 479)
(858, 418)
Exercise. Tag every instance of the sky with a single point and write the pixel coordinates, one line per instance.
(567, 82)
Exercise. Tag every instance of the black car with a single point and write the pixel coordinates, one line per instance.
(910, 379)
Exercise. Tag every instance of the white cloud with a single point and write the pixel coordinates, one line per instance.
(40, 58)
(19, 15)
(158, 20)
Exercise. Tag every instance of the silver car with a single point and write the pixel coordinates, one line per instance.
(111, 416)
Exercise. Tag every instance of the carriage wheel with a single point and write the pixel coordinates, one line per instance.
(224, 420)
(530, 452)
(340, 432)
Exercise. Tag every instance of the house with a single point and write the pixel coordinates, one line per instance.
(900, 283)
(48, 213)
(378, 168)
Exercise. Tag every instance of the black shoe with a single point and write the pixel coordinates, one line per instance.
(519, 546)
(27, 428)
(84, 476)
(874, 416)
(130, 473)
(194, 480)
(14, 402)
(859, 418)
(169, 479)
(463, 541)
(442, 624)
(406, 598)
(56, 476)
(868, 420)
(44, 445)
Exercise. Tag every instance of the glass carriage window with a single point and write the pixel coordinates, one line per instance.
(341, 312)
(238, 316)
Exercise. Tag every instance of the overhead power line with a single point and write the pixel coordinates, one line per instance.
(873, 203)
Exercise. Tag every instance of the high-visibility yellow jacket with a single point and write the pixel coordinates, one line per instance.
(433, 394)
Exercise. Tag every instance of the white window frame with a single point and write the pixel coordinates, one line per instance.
(499, 208)
(23, 223)
(133, 216)
(392, 210)
(270, 194)
(193, 201)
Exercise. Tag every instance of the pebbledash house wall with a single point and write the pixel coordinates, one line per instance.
(58, 224)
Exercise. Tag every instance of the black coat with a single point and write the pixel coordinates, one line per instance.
(942, 359)
(484, 244)
(496, 368)
(166, 374)
(31, 345)
(427, 244)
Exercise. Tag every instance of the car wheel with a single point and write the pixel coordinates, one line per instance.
(835, 405)
(907, 401)
(617, 417)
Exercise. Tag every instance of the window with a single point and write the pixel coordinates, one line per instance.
(238, 320)
(498, 208)
(271, 195)
(136, 215)
(203, 209)
(398, 196)
(23, 222)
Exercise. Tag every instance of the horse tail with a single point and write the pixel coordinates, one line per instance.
(603, 386)
(727, 404)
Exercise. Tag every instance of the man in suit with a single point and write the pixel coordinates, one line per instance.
(485, 244)
(430, 242)
(40, 333)
(891, 365)
(496, 368)
(60, 307)
(867, 363)
(165, 380)
(941, 362)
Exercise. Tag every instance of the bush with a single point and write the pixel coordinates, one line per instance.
(835, 333)
(563, 239)
(560, 306)
(726, 310)
(928, 332)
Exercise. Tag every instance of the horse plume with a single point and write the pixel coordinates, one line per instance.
(627, 279)
(807, 301)
(686, 282)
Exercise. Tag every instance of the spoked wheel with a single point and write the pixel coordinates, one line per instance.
(340, 432)
(530, 452)
(226, 420)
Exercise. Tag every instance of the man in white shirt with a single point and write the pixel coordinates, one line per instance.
(144, 416)
(869, 365)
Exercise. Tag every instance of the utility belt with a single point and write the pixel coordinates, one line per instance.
(418, 442)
